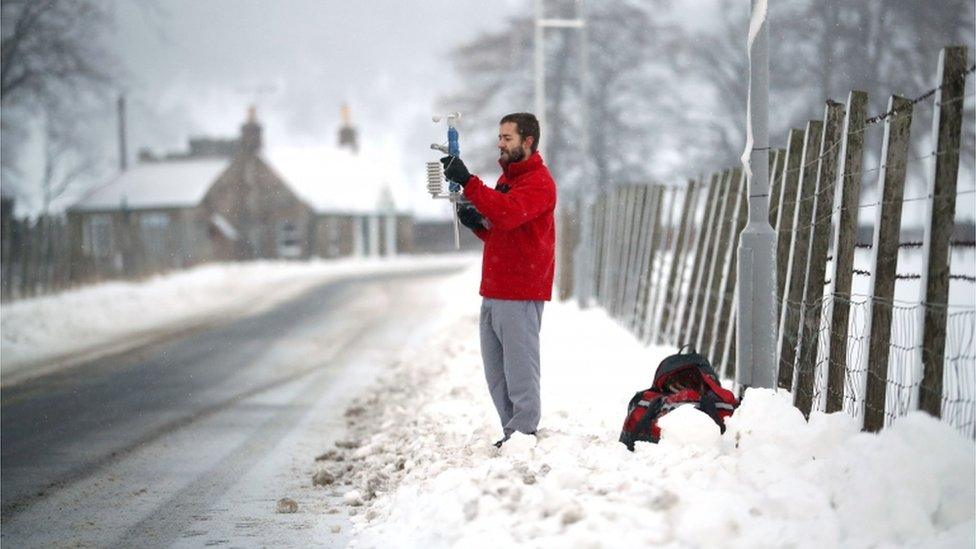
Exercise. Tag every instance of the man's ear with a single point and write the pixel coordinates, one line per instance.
(529, 141)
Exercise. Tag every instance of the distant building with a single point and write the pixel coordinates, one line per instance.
(198, 148)
(225, 200)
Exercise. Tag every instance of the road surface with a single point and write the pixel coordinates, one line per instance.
(191, 442)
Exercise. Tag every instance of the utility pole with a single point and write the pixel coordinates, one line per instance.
(756, 280)
(540, 58)
(123, 153)
(584, 193)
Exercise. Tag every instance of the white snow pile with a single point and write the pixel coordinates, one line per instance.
(420, 469)
(34, 331)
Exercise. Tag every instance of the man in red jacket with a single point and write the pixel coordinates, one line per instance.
(515, 221)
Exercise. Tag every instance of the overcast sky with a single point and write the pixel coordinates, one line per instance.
(194, 66)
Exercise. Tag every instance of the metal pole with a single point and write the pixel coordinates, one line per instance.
(583, 260)
(540, 72)
(584, 103)
(123, 153)
(585, 256)
(756, 280)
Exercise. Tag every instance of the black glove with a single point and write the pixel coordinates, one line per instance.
(470, 217)
(455, 170)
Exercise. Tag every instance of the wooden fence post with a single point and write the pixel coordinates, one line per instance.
(789, 319)
(599, 240)
(654, 237)
(627, 261)
(63, 253)
(706, 253)
(27, 258)
(626, 247)
(624, 211)
(776, 184)
(586, 257)
(727, 366)
(689, 299)
(786, 206)
(721, 242)
(617, 244)
(808, 336)
(636, 269)
(611, 219)
(676, 276)
(845, 236)
(726, 288)
(884, 251)
(651, 331)
(569, 217)
(16, 258)
(941, 210)
(613, 266)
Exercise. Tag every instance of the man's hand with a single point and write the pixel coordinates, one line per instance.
(469, 216)
(455, 170)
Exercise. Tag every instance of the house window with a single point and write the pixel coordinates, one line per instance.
(96, 236)
(153, 228)
(289, 240)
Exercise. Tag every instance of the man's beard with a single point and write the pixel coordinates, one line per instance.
(509, 157)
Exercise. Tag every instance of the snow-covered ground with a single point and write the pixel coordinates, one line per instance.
(49, 332)
(417, 467)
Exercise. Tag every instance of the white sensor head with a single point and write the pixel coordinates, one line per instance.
(451, 118)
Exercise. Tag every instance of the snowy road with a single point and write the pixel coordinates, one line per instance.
(192, 442)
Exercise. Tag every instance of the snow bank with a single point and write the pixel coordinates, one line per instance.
(33, 331)
(423, 473)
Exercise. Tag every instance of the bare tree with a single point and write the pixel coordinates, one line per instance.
(51, 62)
(50, 47)
(67, 157)
(495, 74)
(624, 88)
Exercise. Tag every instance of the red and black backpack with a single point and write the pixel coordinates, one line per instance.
(684, 378)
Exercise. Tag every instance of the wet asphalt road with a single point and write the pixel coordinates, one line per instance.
(73, 426)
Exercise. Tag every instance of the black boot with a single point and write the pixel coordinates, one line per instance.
(502, 441)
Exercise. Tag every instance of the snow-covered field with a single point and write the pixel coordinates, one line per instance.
(53, 331)
(418, 470)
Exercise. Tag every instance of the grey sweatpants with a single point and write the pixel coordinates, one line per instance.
(510, 351)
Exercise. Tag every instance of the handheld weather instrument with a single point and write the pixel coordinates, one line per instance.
(435, 173)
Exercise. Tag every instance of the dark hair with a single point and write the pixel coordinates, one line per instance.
(527, 124)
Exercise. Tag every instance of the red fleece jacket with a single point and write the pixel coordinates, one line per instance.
(519, 256)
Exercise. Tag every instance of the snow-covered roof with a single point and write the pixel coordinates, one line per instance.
(169, 184)
(329, 180)
(332, 180)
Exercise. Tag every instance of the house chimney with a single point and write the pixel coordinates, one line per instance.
(250, 133)
(347, 133)
(123, 154)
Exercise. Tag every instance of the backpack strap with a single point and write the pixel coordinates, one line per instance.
(653, 409)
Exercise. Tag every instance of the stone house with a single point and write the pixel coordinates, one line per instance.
(209, 205)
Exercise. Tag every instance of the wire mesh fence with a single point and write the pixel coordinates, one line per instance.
(875, 329)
